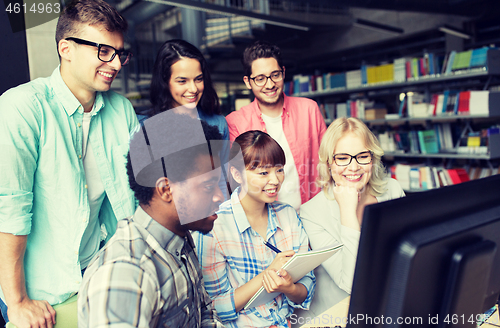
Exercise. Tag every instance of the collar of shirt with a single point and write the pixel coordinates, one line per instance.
(284, 114)
(168, 240)
(241, 219)
(68, 99)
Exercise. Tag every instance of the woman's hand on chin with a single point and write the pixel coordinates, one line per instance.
(347, 197)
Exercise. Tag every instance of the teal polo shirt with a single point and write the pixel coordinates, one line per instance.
(42, 180)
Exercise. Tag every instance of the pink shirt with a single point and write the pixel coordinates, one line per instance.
(303, 126)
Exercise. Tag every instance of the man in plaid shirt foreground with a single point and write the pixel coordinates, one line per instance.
(148, 275)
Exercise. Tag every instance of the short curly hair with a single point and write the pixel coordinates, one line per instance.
(145, 194)
(260, 49)
(338, 129)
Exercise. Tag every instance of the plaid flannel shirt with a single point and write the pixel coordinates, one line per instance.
(145, 276)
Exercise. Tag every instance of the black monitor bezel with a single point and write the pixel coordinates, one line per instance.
(384, 224)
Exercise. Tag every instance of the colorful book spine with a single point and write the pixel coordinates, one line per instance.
(371, 75)
(449, 64)
(478, 57)
(428, 142)
(463, 103)
(364, 75)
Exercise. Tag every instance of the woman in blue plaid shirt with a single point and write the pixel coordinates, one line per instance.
(235, 262)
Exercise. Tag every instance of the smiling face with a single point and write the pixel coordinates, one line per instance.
(354, 174)
(261, 185)
(272, 92)
(186, 82)
(81, 69)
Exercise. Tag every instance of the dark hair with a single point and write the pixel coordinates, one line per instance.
(260, 49)
(258, 149)
(91, 12)
(171, 52)
(183, 160)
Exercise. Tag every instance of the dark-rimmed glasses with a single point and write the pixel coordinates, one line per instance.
(105, 53)
(261, 80)
(362, 158)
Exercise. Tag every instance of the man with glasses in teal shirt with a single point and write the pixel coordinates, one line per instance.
(63, 182)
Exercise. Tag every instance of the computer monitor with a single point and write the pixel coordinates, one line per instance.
(429, 259)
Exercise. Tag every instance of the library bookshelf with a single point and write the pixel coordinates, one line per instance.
(473, 123)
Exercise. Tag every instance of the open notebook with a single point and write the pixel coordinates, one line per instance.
(297, 267)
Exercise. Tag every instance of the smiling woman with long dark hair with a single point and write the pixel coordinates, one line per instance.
(181, 81)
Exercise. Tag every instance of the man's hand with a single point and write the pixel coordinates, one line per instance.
(32, 314)
(22, 311)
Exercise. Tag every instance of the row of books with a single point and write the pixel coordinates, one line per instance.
(414, 104)
(363, 109)
(312, 83)
(431, 65)
(449, 102)
(464, 60)
(478, 142)
(400, 70)
(407, 69)
(421, 177)
(442, 138)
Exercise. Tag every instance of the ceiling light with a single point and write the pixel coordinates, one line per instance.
(377, 26)
(454, 31)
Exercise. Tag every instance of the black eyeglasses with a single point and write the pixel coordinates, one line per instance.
(105, 53)
(362, 158)
(261, 80)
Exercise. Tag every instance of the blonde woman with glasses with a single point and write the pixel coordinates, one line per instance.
(351, 176)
